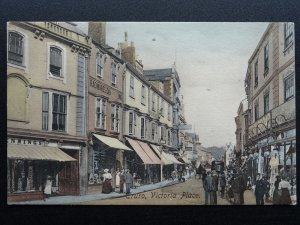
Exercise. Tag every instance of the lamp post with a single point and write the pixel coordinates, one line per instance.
(161, 164)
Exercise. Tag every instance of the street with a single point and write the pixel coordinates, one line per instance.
(189, 192)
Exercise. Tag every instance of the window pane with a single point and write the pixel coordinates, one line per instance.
(55, 102)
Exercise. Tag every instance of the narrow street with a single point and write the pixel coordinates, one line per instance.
(190, 192)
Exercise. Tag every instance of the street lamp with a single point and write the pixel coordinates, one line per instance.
(161, 165)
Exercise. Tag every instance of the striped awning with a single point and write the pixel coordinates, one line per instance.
(34, 152)
(148, 157)
(166, 158)
(112, 142)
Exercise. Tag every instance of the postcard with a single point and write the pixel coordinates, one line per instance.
(151, 113)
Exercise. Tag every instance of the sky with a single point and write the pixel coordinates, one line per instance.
(211, 60)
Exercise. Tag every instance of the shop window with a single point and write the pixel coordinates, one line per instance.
(15, 48)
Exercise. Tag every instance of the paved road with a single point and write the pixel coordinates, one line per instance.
(187, 193)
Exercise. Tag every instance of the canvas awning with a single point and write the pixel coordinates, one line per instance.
(112, 142)
(145, 155)
(34, 152)
(163, 156)
(150, 152)
(186, 160)
(172, 157)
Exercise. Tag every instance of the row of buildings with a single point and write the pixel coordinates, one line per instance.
(77, 106)
(266, 119)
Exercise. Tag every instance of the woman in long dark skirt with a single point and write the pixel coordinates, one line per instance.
(276, 196)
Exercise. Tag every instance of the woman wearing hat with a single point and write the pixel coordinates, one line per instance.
(106, 187)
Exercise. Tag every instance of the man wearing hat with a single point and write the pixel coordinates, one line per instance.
(128, 181)
(215, 186)
(260, 190)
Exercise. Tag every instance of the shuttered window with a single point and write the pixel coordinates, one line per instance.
(56, 62)
(15, 48)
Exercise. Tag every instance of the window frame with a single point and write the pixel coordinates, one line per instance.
(266, 96)
(153, 101)
(162, 107)
(143, 95)
(63, 76)
(143, 127)
(99, 63)
(12, 61)
(131, 87)
(256, 73)
(102, 113)
(59, 112)
(291, 80)
(113, 74)
(288, 34)
(256, 111)
(132, 123)
(153, 131)
(266, 59)
(115, 118)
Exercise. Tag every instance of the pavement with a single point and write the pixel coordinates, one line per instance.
(69, 200)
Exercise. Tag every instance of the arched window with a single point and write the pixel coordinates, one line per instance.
(15, 48)
(56, 62)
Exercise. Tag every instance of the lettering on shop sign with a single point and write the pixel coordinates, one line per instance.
(24, 141)
(100, 86)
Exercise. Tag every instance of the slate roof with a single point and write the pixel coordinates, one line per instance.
(158, 74)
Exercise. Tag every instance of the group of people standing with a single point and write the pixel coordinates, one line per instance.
(123, 179)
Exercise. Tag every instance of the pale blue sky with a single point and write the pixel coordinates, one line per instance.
(211, 60)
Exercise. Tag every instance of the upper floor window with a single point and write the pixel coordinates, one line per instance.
(288, 34)
(153, 131)
(15, 48)
(256, 112)
(132, 123)
(143, 95)
(256, 73)
(162, 133)
(289, 87)
(169, 112)
(45, 111)
(266, 103)
(100, 113)
(153, 101)
(131, 90)
(266, 59)
(55, 62)
(59, 112)
(143, 127)
(113, 74)
(115, 119)
(99, 64)
(162, 106)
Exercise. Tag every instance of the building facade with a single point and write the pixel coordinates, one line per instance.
(46, 111)
(241, 123)
(270, 89)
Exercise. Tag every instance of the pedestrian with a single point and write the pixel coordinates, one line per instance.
(276, 196)
(117, 179)
(122, 181)
(128, 181)
(48, 188)
(260, 190)
(204, 174)
(208, 188)
(180, 173)
(222, 184)
(284, 188)
(236, 191)
(215, 187)
(106, 186)
(242, 187)
(267, 185)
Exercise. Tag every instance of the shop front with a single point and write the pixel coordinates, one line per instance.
(28, 167)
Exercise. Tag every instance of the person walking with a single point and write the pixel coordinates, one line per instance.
(260, 190)
(117, 179)
(222, 184)
(128, 181)
(208, 188)
(215, 186)
(242, 187)
(284, 188)
(122, 181)
(106, 186)
(276, 196)
(236, 191)
(48, 187)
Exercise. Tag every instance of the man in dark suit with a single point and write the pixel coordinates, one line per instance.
(260, 190)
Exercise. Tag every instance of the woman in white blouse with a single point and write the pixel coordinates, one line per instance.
(284, 190)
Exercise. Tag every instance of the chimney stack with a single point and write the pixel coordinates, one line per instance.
(97, 31)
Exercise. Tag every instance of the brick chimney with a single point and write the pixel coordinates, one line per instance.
(97, 31)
